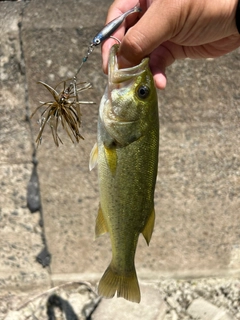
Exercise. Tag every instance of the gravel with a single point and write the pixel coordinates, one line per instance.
(198, 299)
(180, 295)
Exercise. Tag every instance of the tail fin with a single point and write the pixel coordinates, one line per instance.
(125, 285)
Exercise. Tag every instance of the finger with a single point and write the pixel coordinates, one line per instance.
(159, 60)
(115, 10)
(160, 80)
(215, 49)
(155, 27)
(105, 53)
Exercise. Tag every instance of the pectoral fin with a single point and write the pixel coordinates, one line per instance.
(93, 157)
(111, 157)
(101, 226)
(148, 229)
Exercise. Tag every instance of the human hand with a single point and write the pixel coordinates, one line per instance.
(173, 29)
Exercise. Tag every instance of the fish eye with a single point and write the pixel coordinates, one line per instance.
(143, 92)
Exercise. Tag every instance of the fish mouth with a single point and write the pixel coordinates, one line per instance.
(117, 76)
(120, 85)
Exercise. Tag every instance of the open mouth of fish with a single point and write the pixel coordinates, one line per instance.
(120, 87)
(119, 77)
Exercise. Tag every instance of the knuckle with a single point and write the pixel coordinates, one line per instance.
(135, 42)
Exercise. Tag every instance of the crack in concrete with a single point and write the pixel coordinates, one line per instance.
(33, 189)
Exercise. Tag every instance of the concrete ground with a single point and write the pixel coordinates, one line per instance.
(49, 199)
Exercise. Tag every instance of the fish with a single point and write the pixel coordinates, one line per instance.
(112, 26)
(126, 153)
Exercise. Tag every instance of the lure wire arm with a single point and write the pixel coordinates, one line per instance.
(85, 58)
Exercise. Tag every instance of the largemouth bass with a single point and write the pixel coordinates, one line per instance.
(127, 157)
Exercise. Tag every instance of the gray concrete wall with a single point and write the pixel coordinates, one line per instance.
(197, 193)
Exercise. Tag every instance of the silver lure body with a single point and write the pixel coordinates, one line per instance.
(109, 29)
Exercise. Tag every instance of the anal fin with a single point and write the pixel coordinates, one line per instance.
(148, 229)
(101, 226)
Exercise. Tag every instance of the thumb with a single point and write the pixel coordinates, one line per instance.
(156, 26)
